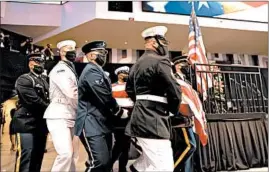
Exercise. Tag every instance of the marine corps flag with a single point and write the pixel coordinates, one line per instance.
(197, 55)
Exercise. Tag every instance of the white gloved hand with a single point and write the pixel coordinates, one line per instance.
(124, 114)
(171, 114)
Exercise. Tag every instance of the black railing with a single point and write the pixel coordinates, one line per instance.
(235, 89)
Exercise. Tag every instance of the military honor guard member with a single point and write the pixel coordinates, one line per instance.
(33, 92)
(61, 113)
(183, 142)
(122, 142)
(152, 86)
(96, 109)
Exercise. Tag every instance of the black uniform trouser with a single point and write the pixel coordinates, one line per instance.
(99, 152)
(30, 151)
(184, 145)
(121, 149)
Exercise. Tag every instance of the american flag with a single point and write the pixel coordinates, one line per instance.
(197, 55)
(192, 105)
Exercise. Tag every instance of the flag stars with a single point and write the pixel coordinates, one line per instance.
(158, 6)
(201, 4)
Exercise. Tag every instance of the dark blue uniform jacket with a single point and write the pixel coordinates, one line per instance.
(96, 106)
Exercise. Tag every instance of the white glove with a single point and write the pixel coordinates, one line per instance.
(124, 114)
(171, 114)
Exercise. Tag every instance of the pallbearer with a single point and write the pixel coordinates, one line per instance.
(122, 141)
(33, 92)
(152, 86)
(184, 143)
(96, 109)
(61, 113)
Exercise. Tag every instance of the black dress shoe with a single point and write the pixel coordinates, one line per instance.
(123, 170)
(132, 168)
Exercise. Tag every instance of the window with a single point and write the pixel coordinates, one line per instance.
(124, 54)
(241, 58)
(255, 61)
(109, 55)
(230, 58)
(140, 53)
(121, 6)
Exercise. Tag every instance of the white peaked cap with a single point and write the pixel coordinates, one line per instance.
(156, 30)
(65, 43)
(123, 68)
(107, 73)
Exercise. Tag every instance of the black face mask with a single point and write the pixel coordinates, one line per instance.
(185, 70)
(70, 56)
(161, 49)
(125, 79)
(38, 69)
(100, 60)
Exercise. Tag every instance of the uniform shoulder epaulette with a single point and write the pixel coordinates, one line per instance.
(23, 76)
(26, 76)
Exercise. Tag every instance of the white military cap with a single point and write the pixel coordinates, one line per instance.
(153, 31)
(122, 69)
(65, 43)
(107, 73)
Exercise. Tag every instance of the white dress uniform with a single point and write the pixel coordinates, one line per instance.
(61, 114)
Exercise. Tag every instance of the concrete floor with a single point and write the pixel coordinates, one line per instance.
(8, 157)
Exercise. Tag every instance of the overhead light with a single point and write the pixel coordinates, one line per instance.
(86, 41)
(125, 43)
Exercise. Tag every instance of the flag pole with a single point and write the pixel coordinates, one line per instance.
(192, 3)
(193, 13)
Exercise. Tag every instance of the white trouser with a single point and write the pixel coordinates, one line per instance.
(157, 155)
(62, 132)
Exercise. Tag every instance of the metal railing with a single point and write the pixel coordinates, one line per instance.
(236, 89)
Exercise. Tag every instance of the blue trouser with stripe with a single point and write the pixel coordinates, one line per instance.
(184, 145)
(99, 149)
